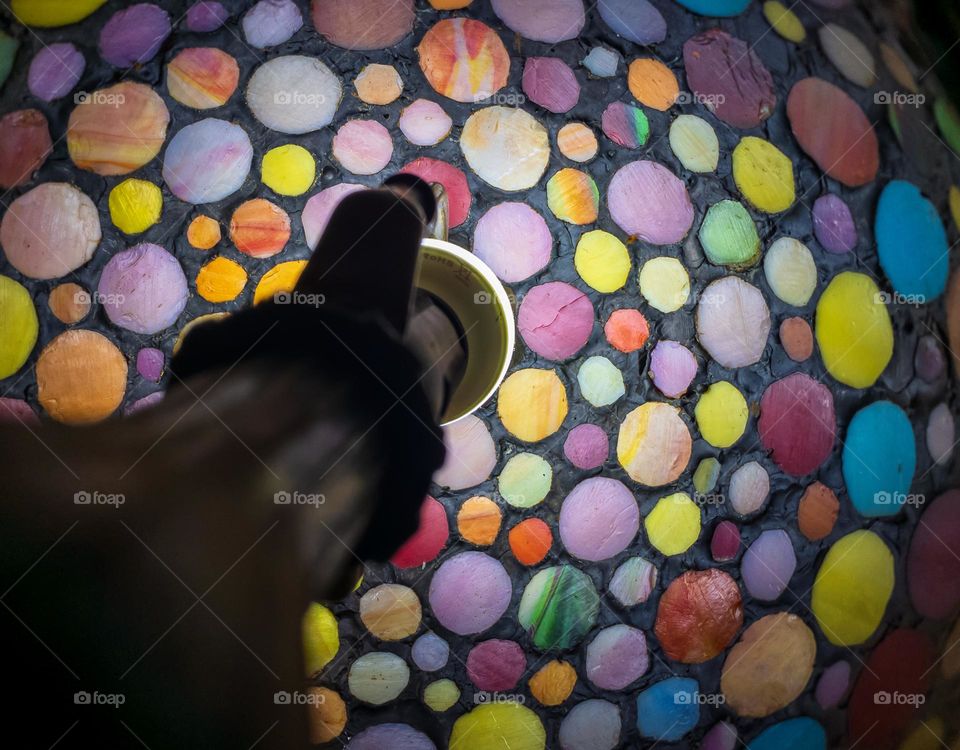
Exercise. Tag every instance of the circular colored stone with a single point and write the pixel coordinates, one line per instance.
(81, 377)
(616, 657)
(725, 543)
(602, 62)
(327, 714)
(478, 521)
(294, 94)
(50, 231)
(706, 474)
(573, 197)
(601, 382)
(879, 459)
(764, 175)
(626, 330)
(150, 362)
(853, 330)
(271, 22)
(929, 360)
(259, 228)
(817, 512)
(729, 236)
(206, 15)
(530, 541)
(699, 615)
(470, 592)
(633, 581)
(207, 161)
(69, 303)
(673, 525)
(202, 77)
(577, 142)
(118, 129)
(796, 337)
(378, 84)
(801, 732)
(53, 13)
(769, 666)
(647, 200)
(143, 289)
(598, 519)
(471, 454)
(553, 683)
(558, 608)
(636, 21)
(532, 404)
(507, 148)
(797, 423)
(668, 709)
(940, 434)
(911, 243)
(694, 142)
(833, 685)
(495, 726)
(430, 652)
(320, 207)
(932, 561)
(654, 444)
(721, 414)
(390, 612)
(464, 60)
(453, 180)
(601, 260)
(672, 368)
(833, 224)
(525, 480)
(24, 146)
(134, 35)
(548, 21)
(790, 271)
(652, 83)
(383, 736)
(288, 170)
(784, 21)
(55, 70)
(362, 146)
(625, 125)
(19, 326)
(749, 488)
(549, 82)
(848, 54)
(832, 129)
(891, 689)
(363, 24)
(441, 695)
(586, 446)
(729, 78)
(135, 205)
(496, 666)
(429, 538)
(513, 239)
(221, 280)
(768, 565)
(733, 322)
(852, 588)
(203, 232)
(555, 320)
(378, 677)
(424, 123)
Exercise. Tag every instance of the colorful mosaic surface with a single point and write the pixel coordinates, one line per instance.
(711, 504)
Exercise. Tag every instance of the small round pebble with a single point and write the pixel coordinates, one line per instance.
(768, 565)
(725, 543)
(577, 142)
(143, 289)
(625, 125)
(694, 142)
(601, 382)
(833, 685)
(817, 511)
(362, 146)
(626, 330)
(749, 488)
(206, 15)
(55, 70)
(550, 83)
(594, 724)
(647, 200)
(616, 657)
(514, 240)
(379, 85)
(150, 363)
(207, 161)
(598, 519)
(633, 581)
(430, 652)
(525, 480)
(470, 592)
(555, 320)
(796, 337)
(471, 454)
(377, 677)
(496, 666)
(271, 22)
(672, 368)
(833, 224)
(424, 123)
(134, 34)
(24, 146)
(586, 446)
(294, 94)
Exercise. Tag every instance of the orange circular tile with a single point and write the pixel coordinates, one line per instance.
(69, 303)
(530, 541)
(627, 330)
(653, 83)
(259, 228)
(221, 280)
(478, 521)
(203, 232)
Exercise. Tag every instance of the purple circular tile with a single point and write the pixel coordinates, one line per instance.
(143, 289)
(513, 239)
(430, 652)
(555, 320)
(134, 35)
(616, 657)
(768, 564)
(549, 82)
(55, 70)
(150, 363)
(833, 224)
(206, 15)
(469, 592)
(496, 666)
(598, 519)
(672, 368)
(587, 446)
(647, 200)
